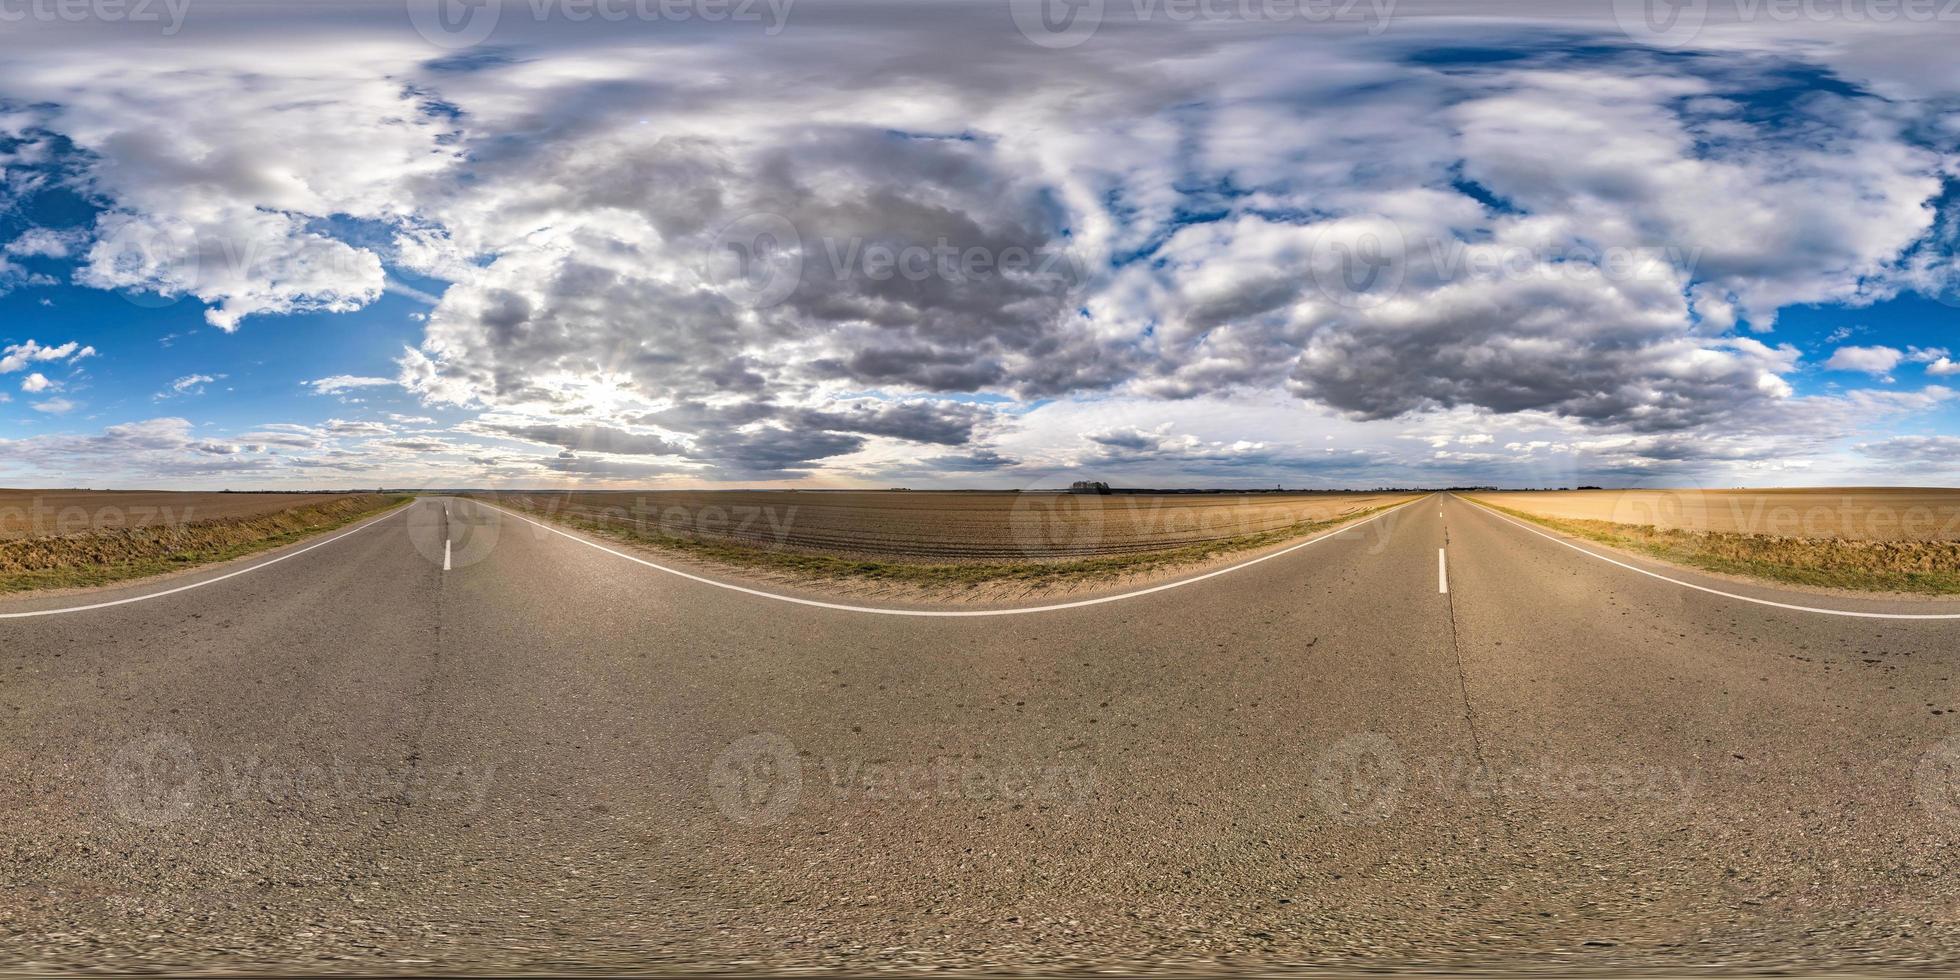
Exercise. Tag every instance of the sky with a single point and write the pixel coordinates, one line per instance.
(1226, 243)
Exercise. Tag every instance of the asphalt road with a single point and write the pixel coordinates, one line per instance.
(549, 758)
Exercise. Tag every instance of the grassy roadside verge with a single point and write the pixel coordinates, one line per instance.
(118, 555)
(1921, 567)
(1034, 572)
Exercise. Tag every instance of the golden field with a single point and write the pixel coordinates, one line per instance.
(1859, 538)
(1849, 513)
(61, 539)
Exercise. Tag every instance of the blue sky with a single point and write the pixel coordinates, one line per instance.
(832, 247)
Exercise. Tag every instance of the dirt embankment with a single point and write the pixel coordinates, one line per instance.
(124, 538)
(49, 513)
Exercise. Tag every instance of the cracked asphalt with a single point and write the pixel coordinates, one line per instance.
(551, 759)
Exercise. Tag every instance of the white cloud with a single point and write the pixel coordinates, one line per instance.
(243, 263)
(37, 382)
(1941, 452)
(56, 406)
(14, 275)
(46, 243)
(190, 384)
(16, 357)
(342, 382)
(346, 428)
(1877, 361)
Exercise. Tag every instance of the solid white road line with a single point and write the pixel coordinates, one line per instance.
(947, 613)
(445, 554)
(1442, 572)
(208, 581)
(1726, 595)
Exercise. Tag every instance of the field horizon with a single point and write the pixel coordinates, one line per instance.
(386, 487)
(983, 545)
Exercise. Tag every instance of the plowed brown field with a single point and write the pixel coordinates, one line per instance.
(941, 527)
(45, 513)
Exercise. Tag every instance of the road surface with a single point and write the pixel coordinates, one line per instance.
(454, 741)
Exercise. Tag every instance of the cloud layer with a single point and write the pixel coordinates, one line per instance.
(892, 240)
